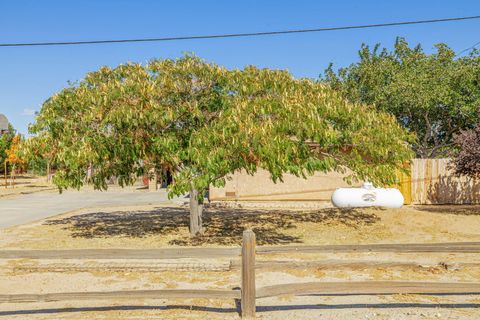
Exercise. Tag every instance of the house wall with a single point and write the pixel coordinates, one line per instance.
(259, 187)
(429, 182)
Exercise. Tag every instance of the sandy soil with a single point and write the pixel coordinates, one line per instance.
(154, 227)
(162, 226)
(24, 184)
(28, 183)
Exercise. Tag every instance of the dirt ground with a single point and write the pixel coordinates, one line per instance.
(160, 227)
(163, 226)
(30, 183)
(23, 184)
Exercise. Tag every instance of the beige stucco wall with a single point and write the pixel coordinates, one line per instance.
(259, 187)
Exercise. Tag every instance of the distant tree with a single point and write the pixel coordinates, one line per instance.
(467, 160)
(5, 143)
(39, 153)
(14, 159)
(203, 122)
(432, 95)
(12, 152)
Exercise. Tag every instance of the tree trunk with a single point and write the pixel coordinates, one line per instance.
(12, 177)
(48, 171)
(152, 180)
(196, 210)
(6, 180)
(89, 173)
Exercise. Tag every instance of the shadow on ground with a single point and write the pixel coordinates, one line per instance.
(468, 210)
(260, 309)
(451, 189)
(224, 226)
(20, 181)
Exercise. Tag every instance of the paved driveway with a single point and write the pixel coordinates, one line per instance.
(31, 207)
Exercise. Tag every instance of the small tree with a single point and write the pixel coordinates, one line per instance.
(467, 160)
(5, 143)
(12, 152)
(13, 157)
(432, 95)
(203, 122)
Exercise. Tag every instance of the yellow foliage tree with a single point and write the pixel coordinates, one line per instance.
(12, 153)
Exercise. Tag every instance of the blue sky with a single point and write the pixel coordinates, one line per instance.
(29, 75)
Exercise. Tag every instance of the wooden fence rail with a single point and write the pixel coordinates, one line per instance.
(473, 247)
(125, 294)
(335, 264)
(176, 253)
(248, 292)
(121, 253)
(369, 288)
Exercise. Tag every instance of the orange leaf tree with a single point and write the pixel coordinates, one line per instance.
(12, 153)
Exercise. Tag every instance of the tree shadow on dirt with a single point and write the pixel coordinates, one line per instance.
(466, 210)
(223, 226)
(448, 189)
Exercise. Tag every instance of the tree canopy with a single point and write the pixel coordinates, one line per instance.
(203, 122)
(434, 95)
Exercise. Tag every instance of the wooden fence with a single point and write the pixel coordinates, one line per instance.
(249, 293)
(433, 182)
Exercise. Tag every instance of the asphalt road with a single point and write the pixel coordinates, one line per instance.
(31, 207)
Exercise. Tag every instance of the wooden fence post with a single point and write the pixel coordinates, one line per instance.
(248, 303)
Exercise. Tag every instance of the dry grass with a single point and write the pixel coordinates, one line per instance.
(154, 227)
(24, 184)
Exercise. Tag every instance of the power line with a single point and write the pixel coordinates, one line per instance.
(237, 35)
(467, 49)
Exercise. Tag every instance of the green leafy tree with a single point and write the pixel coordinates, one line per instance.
(203, 122)
(434, 95)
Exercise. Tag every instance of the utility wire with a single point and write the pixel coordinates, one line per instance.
(237, 35)
(467, 49)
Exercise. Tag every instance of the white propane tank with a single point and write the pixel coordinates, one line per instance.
(367, 196)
